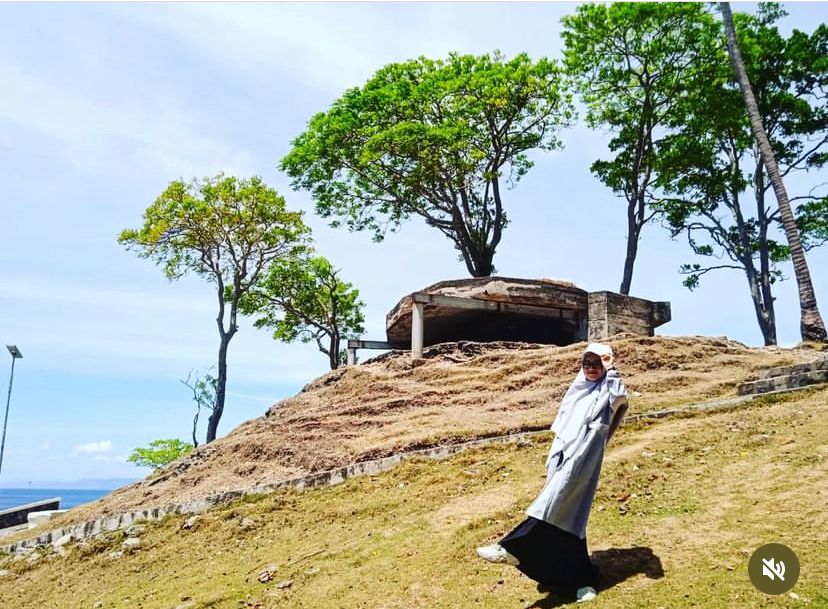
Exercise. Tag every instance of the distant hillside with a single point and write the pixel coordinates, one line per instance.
(459, 391)
(97, 484)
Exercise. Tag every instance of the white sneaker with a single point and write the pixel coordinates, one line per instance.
(585, 594)
(497, 553)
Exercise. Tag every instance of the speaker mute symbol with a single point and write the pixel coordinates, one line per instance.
(773, 569)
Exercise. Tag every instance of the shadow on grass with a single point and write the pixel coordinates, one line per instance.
(614, 566)
(617, 564)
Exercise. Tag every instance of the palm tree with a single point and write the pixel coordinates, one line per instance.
(811, 325)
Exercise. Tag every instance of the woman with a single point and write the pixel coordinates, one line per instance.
(550, 545)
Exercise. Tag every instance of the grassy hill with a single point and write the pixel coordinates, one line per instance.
(459, 391)
(681, 505)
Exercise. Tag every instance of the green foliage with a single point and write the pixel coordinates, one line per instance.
(226, 230)
(436, 139)
(159, 453)
(633, 64)
(303, 299)
(217, 228)
(812, 219)
(709, 161)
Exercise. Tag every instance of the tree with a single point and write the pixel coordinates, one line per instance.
(159, 453)
(709, 159)
(303, 298)
(204, 395)
(633, 63)
(225, 230)
(811, 325)
(432, 138)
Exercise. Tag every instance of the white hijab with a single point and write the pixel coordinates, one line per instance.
(583, 400)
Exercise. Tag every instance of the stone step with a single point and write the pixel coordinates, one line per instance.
(818, 364)
(787, 381)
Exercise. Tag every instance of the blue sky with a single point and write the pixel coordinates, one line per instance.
(104, 104)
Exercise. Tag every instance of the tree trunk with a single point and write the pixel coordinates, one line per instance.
(764, 317)
(811, 325)
(215, 417)
(478, 259)
(333, 352)
(758, 291)
(195, 425)
(633, 233)
(764, 255)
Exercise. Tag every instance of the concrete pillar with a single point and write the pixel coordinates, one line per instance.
(351, 356)
(417, 331)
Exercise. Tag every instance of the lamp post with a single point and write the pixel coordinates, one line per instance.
(15, 353)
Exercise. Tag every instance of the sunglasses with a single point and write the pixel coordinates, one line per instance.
(592, 363)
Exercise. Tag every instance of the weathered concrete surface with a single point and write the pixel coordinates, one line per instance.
(611, 313)
(37, 518)
(546, 311)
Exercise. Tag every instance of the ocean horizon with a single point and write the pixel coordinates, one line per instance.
(69, 498)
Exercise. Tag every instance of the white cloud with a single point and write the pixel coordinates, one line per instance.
(103, 446)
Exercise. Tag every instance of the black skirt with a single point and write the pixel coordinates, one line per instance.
(549, 555)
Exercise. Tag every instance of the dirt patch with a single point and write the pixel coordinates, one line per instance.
(466, 509)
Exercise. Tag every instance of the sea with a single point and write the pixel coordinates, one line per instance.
(69, 498)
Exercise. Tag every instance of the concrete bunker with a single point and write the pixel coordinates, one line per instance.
(487, 309)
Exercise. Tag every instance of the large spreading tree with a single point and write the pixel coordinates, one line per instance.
(811, 325)
(633, 64)
(439, 139)
(713, 174)
(226, 230)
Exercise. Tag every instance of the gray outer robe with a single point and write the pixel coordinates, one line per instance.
(589, 413)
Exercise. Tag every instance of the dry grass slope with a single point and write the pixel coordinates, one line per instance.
(458, 392)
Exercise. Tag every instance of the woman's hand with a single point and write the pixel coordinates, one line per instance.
(608, 360)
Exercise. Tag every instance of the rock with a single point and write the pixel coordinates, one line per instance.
(267, 574)
(247, 523)
(97, 605)
(4, 572)
(190, 522)
(130, 543)
(62, 541)
(284, 584)
(33, 557)
(135, 530)
(115, 555)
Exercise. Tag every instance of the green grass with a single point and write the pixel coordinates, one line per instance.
(681, 506)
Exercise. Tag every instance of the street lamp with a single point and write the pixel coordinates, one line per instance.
(15, 353)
